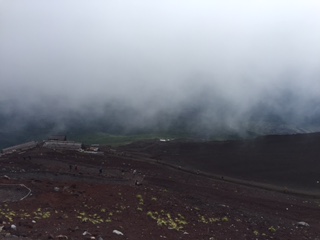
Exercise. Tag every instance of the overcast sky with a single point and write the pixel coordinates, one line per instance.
(159, 56)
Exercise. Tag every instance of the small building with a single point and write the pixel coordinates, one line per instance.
(62, 145)
(58, 138)
(94, 147)
(20, 147)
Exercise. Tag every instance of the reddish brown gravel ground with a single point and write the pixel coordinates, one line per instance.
(167, 203)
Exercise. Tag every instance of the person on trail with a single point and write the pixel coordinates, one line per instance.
(70, 167)
(100, 171)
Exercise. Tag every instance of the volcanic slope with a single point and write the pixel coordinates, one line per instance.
(49, 194)
(289, 162)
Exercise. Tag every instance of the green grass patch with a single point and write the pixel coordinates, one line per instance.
(118, 140)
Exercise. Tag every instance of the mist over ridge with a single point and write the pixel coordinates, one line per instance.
(196, 66)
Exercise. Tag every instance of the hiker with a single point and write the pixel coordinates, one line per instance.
(100, 171)
(70, 168)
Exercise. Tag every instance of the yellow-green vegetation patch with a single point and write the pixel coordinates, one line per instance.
(119, 208)
(123, 207)
(207, 220)
(272, 229)
(141, 202)
(202, 219)
(99, 214)
(225, 219)
(140, 199)
(92, 218)
(103, 210)
(165, 219)
(10, 215)
(41, 214)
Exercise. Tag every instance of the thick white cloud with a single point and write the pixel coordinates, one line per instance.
(160, 55)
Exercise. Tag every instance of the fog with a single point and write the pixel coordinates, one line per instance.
(214, 64)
